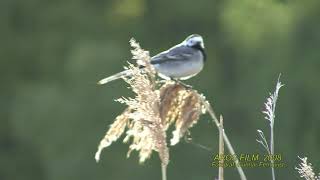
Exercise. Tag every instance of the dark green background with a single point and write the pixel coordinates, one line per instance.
(53, 115)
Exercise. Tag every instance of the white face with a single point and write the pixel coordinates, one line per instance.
(193, 41)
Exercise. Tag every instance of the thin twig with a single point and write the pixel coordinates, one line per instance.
(225, 137)
(192, 142)
(221, 149)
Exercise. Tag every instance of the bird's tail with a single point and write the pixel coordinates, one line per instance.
(115, 77)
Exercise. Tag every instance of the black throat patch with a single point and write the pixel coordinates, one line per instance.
(198, 47)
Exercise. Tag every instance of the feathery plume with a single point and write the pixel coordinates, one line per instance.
(115, 131)
(270, 105)
(306, 171)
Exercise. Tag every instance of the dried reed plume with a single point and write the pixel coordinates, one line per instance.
(155, 107)
(306, 171)
(152, 110)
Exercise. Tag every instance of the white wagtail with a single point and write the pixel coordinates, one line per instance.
(180, 62)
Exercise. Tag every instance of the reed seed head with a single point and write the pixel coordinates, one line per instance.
(153, 109)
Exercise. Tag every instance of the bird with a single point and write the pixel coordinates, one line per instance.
(180, 62)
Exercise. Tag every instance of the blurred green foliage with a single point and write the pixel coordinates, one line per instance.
(53, 52)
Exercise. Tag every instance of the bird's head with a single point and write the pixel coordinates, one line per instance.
(194, 41)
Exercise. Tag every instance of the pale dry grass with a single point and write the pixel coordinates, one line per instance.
(270, 114)
(180, 105)
(306, 171)
(155, 107)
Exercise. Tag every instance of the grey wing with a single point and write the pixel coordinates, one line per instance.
(178, 53)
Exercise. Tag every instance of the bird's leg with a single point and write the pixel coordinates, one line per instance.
(182, 83)
(162, 81)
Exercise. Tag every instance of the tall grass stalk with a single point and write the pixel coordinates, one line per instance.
(164, 172)
(225, 137)
(270, 109)
(221, 149)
